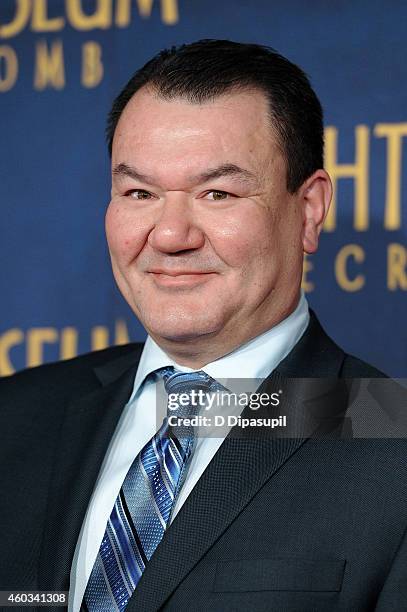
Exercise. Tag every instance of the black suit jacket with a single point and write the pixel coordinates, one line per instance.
(285, 524)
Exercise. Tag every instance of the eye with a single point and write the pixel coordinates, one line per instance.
(217, 195)
(138, 194)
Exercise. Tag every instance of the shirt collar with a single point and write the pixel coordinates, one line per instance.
(253, 360)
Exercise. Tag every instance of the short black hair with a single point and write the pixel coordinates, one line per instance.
(203, 70)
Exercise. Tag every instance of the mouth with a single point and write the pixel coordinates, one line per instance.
(184, 278)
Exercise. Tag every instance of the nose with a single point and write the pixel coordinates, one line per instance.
(175, 229)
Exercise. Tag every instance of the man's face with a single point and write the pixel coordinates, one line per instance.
(204, 237)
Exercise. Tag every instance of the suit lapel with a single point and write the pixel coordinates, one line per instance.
(239, 469)
(85, 435)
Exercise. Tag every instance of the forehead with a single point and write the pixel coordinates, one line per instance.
(232, 128)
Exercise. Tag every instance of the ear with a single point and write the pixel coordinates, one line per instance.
(315, 195)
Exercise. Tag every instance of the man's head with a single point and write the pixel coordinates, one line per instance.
(217, 191)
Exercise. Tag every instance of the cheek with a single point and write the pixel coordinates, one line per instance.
(125, 234)
(243, 240)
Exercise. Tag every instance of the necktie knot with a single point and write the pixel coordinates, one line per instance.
(185, 382)
(186, 391)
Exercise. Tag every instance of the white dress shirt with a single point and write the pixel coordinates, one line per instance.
(137, 425)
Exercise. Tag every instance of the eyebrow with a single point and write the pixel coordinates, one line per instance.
(231, 170)
(224, 170)
(126, 170)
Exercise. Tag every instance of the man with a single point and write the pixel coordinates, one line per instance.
(218, 189)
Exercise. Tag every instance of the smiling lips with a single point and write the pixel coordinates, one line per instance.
(182, 278)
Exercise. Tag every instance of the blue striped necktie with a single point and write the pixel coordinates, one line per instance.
(143, 507)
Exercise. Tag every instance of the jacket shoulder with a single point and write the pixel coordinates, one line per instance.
(62, 377)
(353, 367)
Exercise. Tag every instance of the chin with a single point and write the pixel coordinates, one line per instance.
(180, 328)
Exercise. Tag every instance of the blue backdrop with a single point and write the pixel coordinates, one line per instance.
(61, 64)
